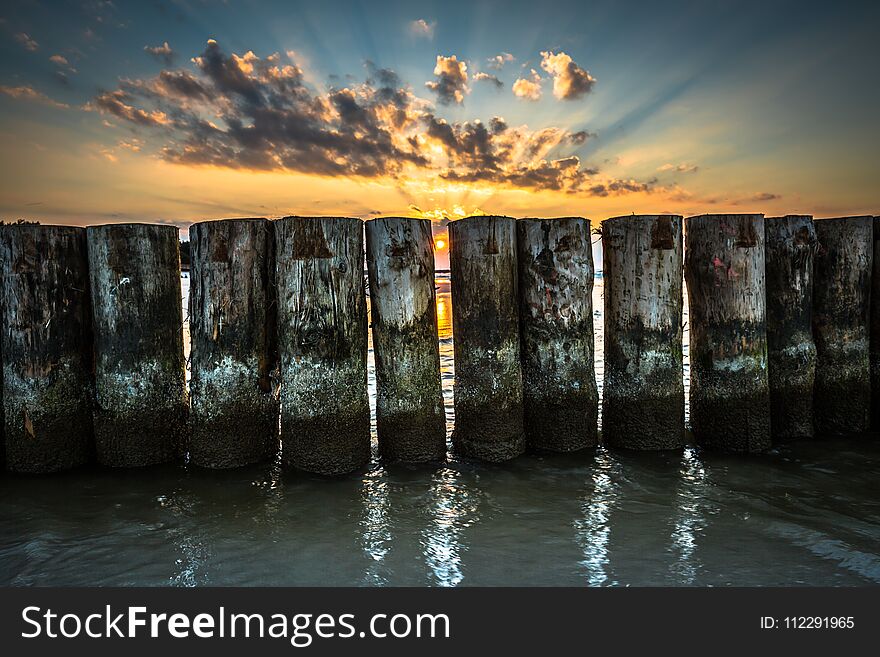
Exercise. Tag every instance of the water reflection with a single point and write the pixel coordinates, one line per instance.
(592, 527)
(189, 568)
(691, 502)
(453, 508)
(376, 535)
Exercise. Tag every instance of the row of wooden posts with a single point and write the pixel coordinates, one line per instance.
(781, 340)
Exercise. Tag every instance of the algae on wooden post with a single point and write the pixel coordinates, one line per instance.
(790, 249)
(560, 396)
(48, 394)
(725, 275)
(322, 341)
(137, 316)
(410, 419)
(234, 419)
(841, 324)
(485, 325)
(643, 391)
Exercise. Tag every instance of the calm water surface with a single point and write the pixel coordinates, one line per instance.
(806, 513)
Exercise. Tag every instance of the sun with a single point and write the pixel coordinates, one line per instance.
(439, 244)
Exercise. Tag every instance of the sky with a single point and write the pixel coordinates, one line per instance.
(184, 110)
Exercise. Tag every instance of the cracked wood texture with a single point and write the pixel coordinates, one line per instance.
(643, 391)
(138, 327)
(234, 416)
(48, 393)
(322, 339)
(790, 249)
(841, 324)
(410, 419)
(485, 323)
(725, 275)
(560, 397)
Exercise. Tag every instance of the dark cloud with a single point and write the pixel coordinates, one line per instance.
(27, 42)
(487, 77)
(163, 53)
(451, 83)
(244, 111)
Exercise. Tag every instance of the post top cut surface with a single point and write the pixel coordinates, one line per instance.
(301, 218)
(789, 217)
(231, 220)
(474, 220)
(640, 217)
(853, 217)
(56, 228)
(132, 226)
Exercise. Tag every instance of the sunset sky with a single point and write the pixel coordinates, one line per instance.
(184, 110)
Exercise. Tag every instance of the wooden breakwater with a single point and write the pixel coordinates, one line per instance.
(784, 339)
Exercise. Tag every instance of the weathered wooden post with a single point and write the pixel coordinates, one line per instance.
(875, 327)
(724, 270)
(643, 391)
(485, 324)
(322, 339)
(139, 366)
(410, 419)
(841, 318)
(234, 417)
(47, 349)
(790, 247)
(560, 397)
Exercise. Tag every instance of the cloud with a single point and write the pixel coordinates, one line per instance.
(452, 77)
(116, 103)
(528, 88)
(26, 92)
(487, 77)
(163, 53)
(422, 28)
(498, 61)
(570, 81)
(759, 197)
(27, 42)
(259, 113)
(679, 168)
(620, 187)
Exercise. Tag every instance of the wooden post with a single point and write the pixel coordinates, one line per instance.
(841, 318)
(790, 248)
(322, 338)
(485, 325)
(138, 326)
(643, 391)
(875, 327)
(724, 270)
(234, 419)
(48, 393)
(410, 419)
(560, 397)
